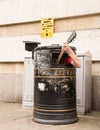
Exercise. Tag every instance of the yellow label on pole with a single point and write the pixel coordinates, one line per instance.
(47, 27)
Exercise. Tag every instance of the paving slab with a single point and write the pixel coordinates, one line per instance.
(14, 117)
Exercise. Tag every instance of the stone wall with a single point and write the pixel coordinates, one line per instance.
(22, 19)
(11, 82)
(96, 86)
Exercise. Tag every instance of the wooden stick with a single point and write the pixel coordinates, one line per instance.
(60, 56)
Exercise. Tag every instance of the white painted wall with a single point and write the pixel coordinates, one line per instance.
(12, 48)
(15, 11)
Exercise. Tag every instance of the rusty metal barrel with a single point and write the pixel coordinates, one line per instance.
(54, 87)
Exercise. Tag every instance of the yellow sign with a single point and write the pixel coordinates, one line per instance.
(47, 27)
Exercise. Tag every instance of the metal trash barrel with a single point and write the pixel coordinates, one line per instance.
(54, 87)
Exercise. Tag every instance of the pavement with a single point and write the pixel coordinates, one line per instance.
(14, 117)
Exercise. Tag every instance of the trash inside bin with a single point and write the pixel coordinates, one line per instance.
(54, 87)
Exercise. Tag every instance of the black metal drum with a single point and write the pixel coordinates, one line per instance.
(54, 87)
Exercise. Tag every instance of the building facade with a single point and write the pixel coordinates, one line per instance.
(21, 20)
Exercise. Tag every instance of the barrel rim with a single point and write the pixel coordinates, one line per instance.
(52, 47)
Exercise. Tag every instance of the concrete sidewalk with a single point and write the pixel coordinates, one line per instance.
(14, 117)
